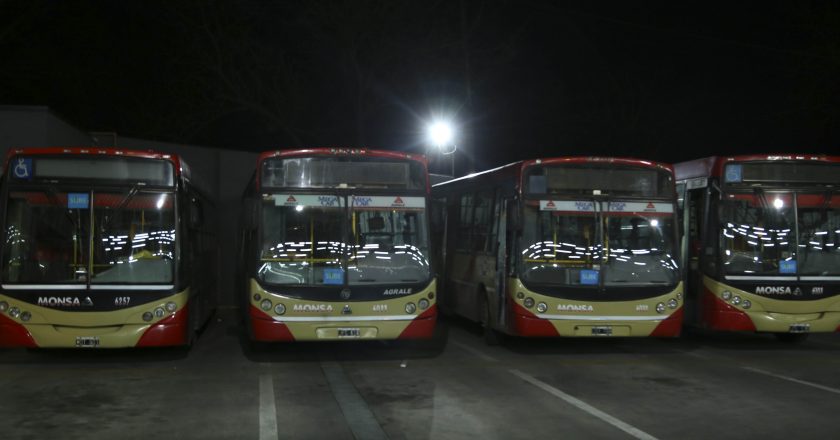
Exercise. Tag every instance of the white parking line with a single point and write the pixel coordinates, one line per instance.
(633, 431)
(791, 379)
(268, 412)
(478, 353)
(359, 417)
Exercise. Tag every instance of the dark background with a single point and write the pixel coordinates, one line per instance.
(667, 82)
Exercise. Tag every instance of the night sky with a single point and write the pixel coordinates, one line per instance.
(667, 82)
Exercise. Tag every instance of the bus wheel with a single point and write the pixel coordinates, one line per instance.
(791, 338)
(491, 336)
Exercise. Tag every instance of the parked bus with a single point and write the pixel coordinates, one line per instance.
(335, 244)
(101, 248)
(763, 243)
(563, 247)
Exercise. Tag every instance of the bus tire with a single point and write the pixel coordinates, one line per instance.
(491, 336)
(791, 338)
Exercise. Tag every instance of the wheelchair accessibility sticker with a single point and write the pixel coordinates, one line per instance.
(23, 168)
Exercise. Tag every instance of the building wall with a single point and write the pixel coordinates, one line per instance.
(220, 172)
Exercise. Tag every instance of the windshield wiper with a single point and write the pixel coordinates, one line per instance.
(130, 195)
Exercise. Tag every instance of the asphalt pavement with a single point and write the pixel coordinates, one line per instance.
(700, 386)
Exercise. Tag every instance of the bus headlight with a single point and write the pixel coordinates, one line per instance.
(542, 307)
(171, 307)
(4, 306)
(159, 312)
(279, 309)
(410, 308)
(672, 303)
(746, 304)
(660, 308)
(257, 297)
(14, 312)
(431, 295)
(265, 305)
(679, 296)
(529, 302)
(25, 316)
(520, 295)
(726, 295)
(736, 300)
(423, 304)
(147, 316)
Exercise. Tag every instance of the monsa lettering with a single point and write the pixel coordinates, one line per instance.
(55, 301)
(772, 290)
(575, 308)
(312, 308)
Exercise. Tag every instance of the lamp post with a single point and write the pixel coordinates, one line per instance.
(441, 135)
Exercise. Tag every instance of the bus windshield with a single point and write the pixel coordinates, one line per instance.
(134, 239)
(640, 249)
(561, 247)
(390, 244)
(759, 234)
(819, 234)
(593, 243)
(303, 240)
(48, 238)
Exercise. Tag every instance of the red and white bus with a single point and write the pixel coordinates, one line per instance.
(762, 243)
(335, 245)
(570, 246)
(102, 248)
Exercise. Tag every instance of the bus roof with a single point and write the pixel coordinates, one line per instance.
(325, 151)
(522, 164)
(713, 165)
(181, 168)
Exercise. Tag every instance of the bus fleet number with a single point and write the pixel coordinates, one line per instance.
(122, 301)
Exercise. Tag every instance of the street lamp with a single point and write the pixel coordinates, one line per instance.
(441, 135)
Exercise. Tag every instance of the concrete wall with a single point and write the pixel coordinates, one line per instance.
(223, 173)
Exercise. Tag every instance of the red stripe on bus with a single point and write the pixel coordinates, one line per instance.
(264, 328)
(168, 331)
(670, 327)
(718, 315)
(13, 334)
(422, 327)
(526, 323)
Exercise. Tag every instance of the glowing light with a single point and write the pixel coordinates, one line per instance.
(440, 133)
(778, 203)
(299, 208)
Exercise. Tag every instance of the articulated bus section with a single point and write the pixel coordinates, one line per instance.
(275, 317)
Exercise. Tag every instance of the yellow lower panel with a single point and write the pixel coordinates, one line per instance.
(319, 331)
(120, 328)
(781, 322)
(604, 328)
(49, 336)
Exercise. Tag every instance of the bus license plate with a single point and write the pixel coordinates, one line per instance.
(87, 341)
(602, 331)
(349, 333)
(800, 328)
